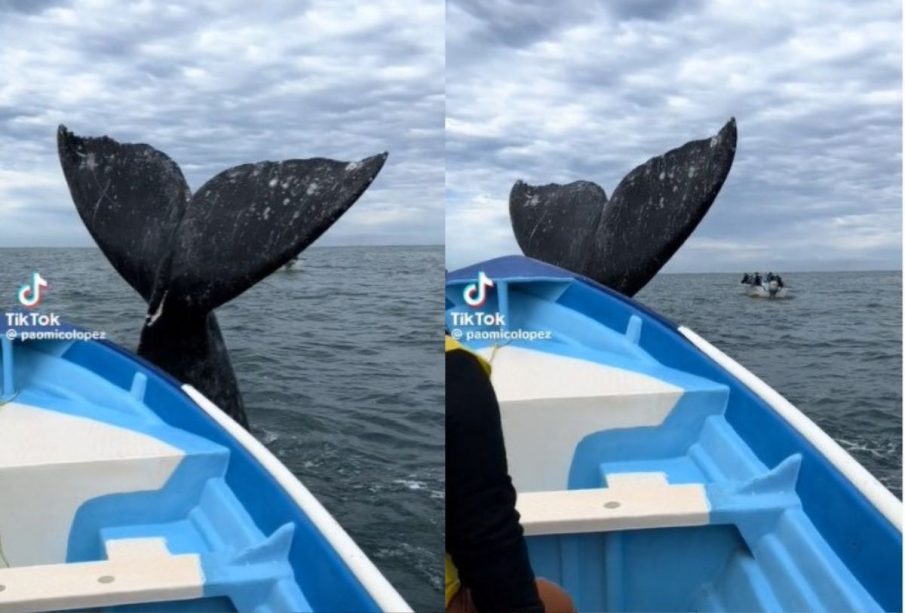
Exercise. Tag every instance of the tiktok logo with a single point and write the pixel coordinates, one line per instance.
(475, 294)
(31, 295)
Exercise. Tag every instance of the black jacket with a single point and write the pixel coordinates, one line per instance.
(483, 534)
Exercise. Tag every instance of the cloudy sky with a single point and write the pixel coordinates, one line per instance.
(224, 83)
(556, 92)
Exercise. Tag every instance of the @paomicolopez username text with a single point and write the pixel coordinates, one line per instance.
(467, 327)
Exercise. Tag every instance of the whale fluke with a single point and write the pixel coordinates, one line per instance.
(622, 242)
(188, 254)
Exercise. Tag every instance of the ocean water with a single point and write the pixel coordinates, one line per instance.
(341, 368)
(833, 349)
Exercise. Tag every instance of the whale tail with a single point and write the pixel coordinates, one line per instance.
(188, 254)
(622, 242)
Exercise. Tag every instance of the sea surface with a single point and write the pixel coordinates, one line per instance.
(833, 348)
(341, 366)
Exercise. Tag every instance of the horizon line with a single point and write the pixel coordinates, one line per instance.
(306, 249)
(396, 245)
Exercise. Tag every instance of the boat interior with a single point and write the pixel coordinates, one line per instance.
(116, 493)
(649, 480)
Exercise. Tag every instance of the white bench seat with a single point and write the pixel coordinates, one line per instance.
(632, 501)
(136, 571)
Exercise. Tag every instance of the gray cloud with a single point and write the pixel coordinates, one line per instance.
(215, 84)
(557, 93)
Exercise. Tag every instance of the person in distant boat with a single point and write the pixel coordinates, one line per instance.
(487, 565)
(757, 279)
(779, 281)
(746, 278)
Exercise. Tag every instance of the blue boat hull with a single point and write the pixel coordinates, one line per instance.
(692, 486)
(220, 500)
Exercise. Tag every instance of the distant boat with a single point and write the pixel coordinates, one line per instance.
(655, 473)
(293, 263)
(766, 288)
